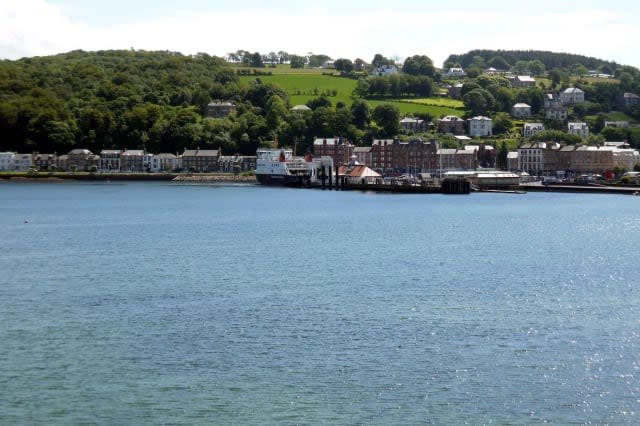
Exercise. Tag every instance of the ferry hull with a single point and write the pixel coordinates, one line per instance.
(279, 180)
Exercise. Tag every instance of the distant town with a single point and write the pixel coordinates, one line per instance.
(536, 114)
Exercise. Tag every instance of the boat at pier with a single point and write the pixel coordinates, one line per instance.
(281, 167)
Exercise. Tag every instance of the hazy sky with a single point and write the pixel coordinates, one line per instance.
(351, 29)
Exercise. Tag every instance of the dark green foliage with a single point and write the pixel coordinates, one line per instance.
(550, 60)
(394, 86)
(419, 65)
(297, 61)
(343, 65)
(556, 136)
(387, 117)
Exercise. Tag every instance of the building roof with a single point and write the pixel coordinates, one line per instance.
(200, 153)
(451, 118)
(165, 155)
(79, 151)
(533, 125)
(110, 151)
(571, 90)
(480, 118)
(133, 152)
(361, 149)
(521, 105)
(330, 141)
(357, 170)
(527, 78)
(382, 142)
(300, 108)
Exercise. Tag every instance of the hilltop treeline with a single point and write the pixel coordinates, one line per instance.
(157, 101)
(551, 60)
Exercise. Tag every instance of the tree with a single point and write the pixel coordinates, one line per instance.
(359, 64)
(556, 77)
(297, 61)
(360, 113)
(256, 60)
(276, 111)
(343, 65)
(379, 60)
(418, 65)
(536, 67)
(478, 101)
(318, 60)
(498, 62)
(502, 123)
(320, 102)
(387, 116)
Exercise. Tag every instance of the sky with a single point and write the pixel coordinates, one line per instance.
(397, 29)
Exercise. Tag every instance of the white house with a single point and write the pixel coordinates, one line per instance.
(164, 162)
(385, 70)
(110, 159)
(480, 126)
(22, 162)
(7, 161)
(578, 128)
(521, 110)
(531, 129)
(572, 95)
(454, 73)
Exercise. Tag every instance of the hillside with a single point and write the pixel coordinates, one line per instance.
(565, 61)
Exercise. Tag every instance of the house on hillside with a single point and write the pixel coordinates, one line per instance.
(523, 81)
(572, 96)
(220, 109)
(385, 70)
(578, 128)
(521, 110)
(451, 124)
(413, 124)
(454, 73)
(480, 126)
(531, 129)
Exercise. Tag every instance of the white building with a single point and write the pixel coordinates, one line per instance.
(454, 73)
(572, 95)
(578, 128)
(480, 126)
(385, 70)
(521, 110)
(164, 162)
(7, 161)
(531, 156)
(110, 160)
(22, 162)
(531, 129)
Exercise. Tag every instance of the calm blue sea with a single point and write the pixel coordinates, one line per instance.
(160, 303)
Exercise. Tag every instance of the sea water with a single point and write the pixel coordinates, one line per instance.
(160, 303)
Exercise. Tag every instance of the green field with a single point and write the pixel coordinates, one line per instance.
(304, 85)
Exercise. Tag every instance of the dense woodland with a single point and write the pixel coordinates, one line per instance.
(157, 100)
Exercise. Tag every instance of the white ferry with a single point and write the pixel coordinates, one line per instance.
(280, 167)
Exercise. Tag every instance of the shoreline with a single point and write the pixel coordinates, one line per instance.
(107, 177)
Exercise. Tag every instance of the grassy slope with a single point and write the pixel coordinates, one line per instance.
(303, 85)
